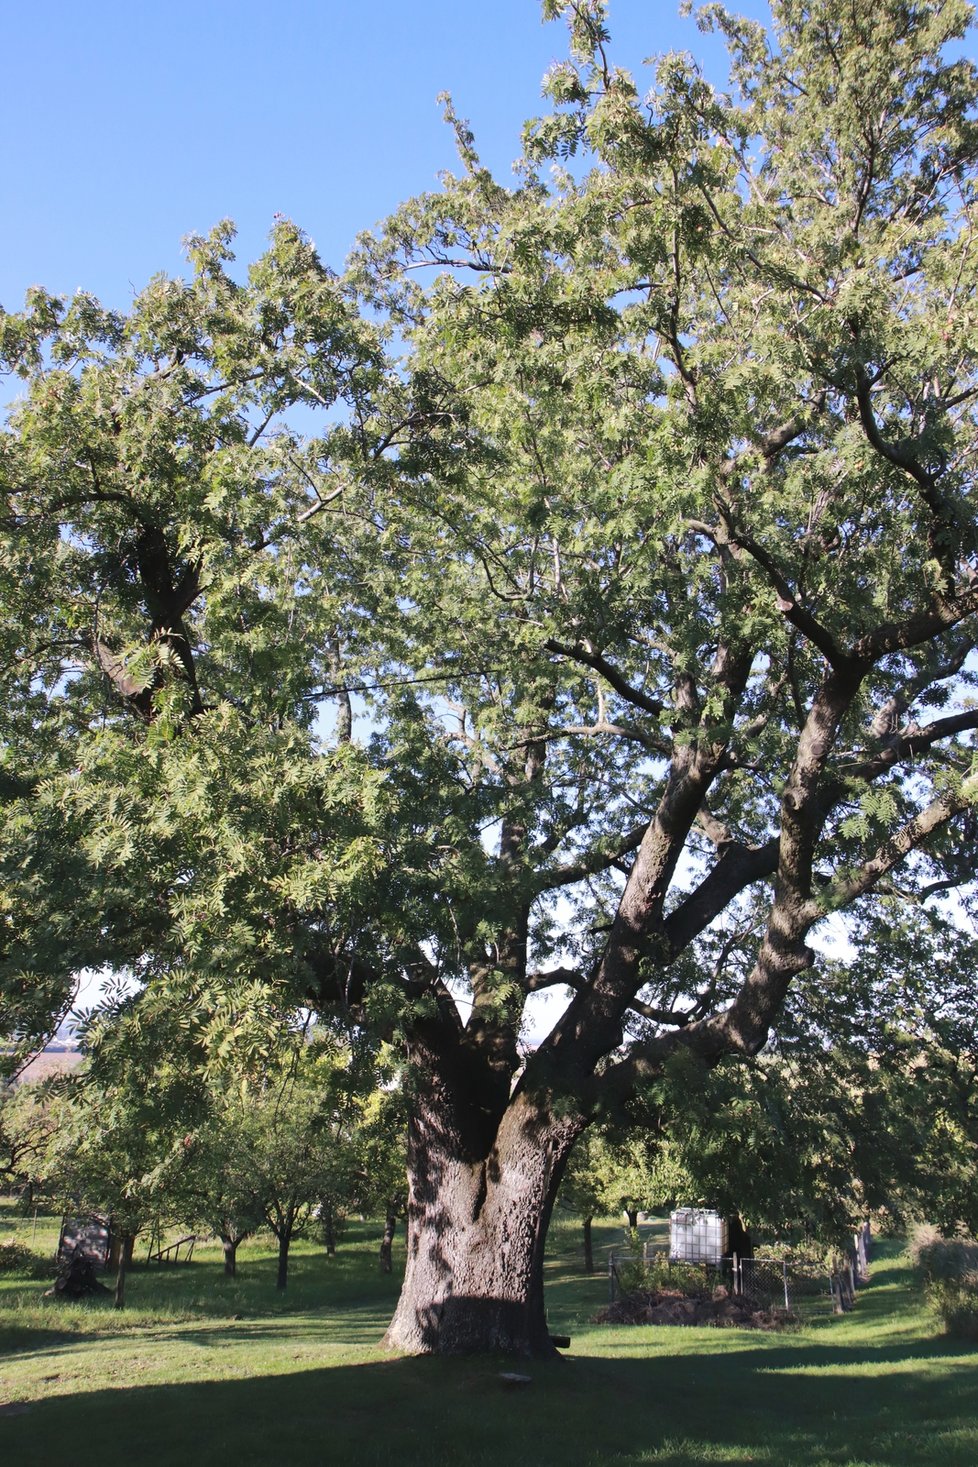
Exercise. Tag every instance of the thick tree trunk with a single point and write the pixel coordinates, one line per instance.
(476, 1232)
(632, 1214)
(588, 1247)
(387, 1243)
(230, 1246)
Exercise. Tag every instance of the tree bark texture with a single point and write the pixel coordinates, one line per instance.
(588, 1247)
(476, 1231)
(230, 1246)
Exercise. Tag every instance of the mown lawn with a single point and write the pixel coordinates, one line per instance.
(204, 1370)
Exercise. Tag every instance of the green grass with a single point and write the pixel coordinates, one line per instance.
(226, 1373)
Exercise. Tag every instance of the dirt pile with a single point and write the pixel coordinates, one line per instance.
(666, 1306)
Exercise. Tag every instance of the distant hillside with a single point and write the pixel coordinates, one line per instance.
(57, 1059)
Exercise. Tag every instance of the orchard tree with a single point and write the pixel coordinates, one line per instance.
(118, 1123)
(611, 1174)
(646, 551)
(292, 1136)
(379, 1146)
(865, 1101)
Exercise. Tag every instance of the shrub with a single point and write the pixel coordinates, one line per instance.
(956, 1305)
(16, 1257)
(659, 1276)
(948, 1268)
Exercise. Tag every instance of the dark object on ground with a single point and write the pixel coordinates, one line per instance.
(562, 1342)
(510, 1378)
(77, 1278)
(665, 1307)
(86, 1237)
(738, 1238)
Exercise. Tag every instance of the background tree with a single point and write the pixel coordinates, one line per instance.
(291, 1141)
(216, 1187)
(653, 558)
(380, 1147)
(611, 1173)
(28, 1120)
(119, 1125)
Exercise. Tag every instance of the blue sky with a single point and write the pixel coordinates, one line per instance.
(131, 123)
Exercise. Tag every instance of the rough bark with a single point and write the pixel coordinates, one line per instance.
(477, 1223)
(588, 1247)
(230, 1246)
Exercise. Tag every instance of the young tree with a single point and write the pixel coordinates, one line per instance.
(654, 558)
(216, 1186)
(379, 1145)
(611, 1173)
(119, 1123)
(291, 1147)
(28, 1119)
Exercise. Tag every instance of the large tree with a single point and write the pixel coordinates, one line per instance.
(645, 558)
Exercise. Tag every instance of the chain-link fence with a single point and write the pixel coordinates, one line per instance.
(787, 1285)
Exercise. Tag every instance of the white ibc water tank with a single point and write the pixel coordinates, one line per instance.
(697, 1235)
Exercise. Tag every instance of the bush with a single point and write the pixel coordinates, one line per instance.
(659, 1276)
(956, 1305)
(948, 1268)
(16, 1257)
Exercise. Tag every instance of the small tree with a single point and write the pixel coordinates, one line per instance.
(380, 1143)
(216, 1186)
(291, 1135)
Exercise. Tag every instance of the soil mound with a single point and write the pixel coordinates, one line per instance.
(664, 1306)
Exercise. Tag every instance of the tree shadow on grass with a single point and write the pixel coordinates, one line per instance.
(352, 1326)
(784, 1407)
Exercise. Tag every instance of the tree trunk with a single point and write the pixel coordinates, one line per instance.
(230, 1246)
(284, 1243)
(121, 1244)
(387, 1243)
(632, 1214)
(476, 1231)
(588, 1247)
(327, 1218)
(124, 1260)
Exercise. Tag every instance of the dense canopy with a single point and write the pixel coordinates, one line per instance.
(580, 590)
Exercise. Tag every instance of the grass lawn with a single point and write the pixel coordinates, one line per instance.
(204, 1370)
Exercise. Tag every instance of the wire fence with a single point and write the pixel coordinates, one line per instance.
(791, 1286)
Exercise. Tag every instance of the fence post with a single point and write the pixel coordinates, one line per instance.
(784, 1274)
(734, 1270)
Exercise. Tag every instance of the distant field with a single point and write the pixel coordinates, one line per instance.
(226, 1373)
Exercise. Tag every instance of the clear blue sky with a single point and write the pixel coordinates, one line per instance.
(131, 123)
